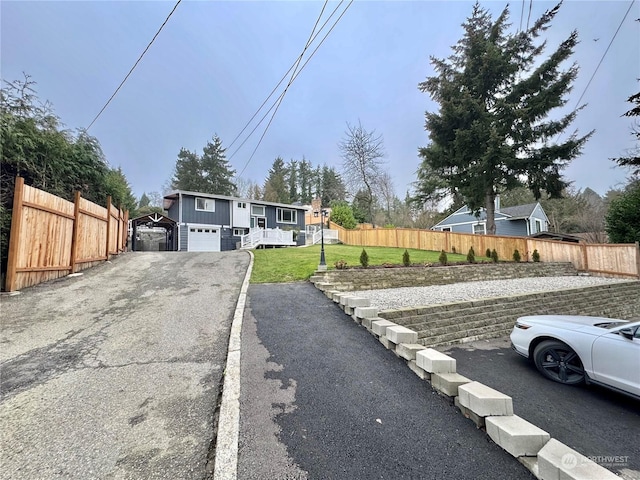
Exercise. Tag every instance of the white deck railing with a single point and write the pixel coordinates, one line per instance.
(266, 236)
(329, 236)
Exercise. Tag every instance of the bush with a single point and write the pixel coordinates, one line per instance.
(341, 264)
(471, 256)
(488, 253)
(516, 255)
(406, 261)
(364, 258)
(453, 249)
(342, 214)
(443, 258)
(536, 256)
(494, 256)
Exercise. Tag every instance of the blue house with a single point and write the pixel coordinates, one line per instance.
(519, 221)
(213, 223)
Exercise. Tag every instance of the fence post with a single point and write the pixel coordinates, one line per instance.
(447, 242)
(585, 257)
(638, 259)
(108, 224)
(14, 239)
(118, 240)
(74, 235)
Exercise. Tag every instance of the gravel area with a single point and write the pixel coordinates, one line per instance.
(395, 298)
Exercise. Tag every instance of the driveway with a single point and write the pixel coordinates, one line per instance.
(116, 373)
(594, 421)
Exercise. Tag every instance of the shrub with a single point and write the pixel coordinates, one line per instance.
(494, 256)
(341, 264)
(364, 258)
(453, 249)
(443, 258)
(488, 253)
(471, 256)
(406, 261)
(516, 255)
(536, 256)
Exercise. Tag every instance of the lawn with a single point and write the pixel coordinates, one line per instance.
(293, 264)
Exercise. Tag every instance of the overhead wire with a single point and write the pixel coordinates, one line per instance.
(290, 82)
(278, 101)
(134, 65)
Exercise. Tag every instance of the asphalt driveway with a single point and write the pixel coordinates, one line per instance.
(116, 373)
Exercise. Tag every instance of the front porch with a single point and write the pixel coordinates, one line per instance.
(267, 237)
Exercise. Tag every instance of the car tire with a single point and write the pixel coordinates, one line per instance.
(559, 362)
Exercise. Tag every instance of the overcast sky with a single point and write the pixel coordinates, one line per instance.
(215, 62)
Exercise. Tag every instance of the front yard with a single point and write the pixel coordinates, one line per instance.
(294, 264)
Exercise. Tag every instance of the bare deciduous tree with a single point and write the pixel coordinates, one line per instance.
(362, 153)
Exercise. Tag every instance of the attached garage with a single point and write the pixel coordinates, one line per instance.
(203, 238)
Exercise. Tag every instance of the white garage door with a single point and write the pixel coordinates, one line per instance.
(203, 239)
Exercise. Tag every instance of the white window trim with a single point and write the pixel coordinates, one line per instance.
(254, 214)
(238, 232)
(538, 225)
(213, 202)
(294, 212)
(484, 227)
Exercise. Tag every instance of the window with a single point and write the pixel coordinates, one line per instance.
(242, 205)
(446, 229)
(538, 227)
(257, 210)
(285, 215)
(479, 229)
(238, 232)
(206, 204)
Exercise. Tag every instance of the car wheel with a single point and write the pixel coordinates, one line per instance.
(558, 362)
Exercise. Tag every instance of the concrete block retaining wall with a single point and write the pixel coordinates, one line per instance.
(375, 278)
(489, 409)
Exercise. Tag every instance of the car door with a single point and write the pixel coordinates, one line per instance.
(616, 360)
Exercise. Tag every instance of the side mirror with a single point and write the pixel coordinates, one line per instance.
(627, 333)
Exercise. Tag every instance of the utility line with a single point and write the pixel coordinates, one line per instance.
(604, 54)
(290, 82)
(529, 16)
(521, 15)
(293, 65)
(134, 65)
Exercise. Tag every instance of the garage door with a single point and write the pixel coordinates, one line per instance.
(203, 239)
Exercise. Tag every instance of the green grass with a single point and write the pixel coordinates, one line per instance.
(293, 264)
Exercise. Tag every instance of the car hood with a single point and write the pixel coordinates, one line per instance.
(570, 322)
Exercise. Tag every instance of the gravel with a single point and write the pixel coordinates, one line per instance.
(395, 298)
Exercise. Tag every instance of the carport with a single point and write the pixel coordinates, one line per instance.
(146, 224)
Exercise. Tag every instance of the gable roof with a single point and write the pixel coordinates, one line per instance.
(519, 211)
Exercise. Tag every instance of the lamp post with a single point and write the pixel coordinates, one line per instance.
(323, 214)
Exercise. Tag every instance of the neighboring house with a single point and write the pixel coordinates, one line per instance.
(212, 223)
(519, 221)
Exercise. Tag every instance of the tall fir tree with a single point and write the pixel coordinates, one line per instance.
(491, 133)
(305, 172)
(292, 180)
(216, 170)
(276, 188)
(188, 174)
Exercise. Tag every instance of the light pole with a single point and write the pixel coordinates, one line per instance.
(323, 213)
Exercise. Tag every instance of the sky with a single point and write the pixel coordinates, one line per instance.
(214, 63)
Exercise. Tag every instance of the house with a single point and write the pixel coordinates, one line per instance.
(212, 223)
(518, 221)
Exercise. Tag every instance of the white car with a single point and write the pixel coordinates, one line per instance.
(571, 349)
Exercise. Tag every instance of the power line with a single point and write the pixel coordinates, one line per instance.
(134, 65)
(605, 53)
(521, 15)
(290, 82)
(293, 65)
(529, 16)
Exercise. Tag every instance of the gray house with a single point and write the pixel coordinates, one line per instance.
(213, 223)
(519, 221)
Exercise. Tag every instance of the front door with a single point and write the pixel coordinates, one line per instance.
(259, 222)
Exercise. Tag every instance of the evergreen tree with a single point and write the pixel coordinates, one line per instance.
(491, 133)
(144, 201)
(292, 180)
(333, 189)
(216, 170)
(188, 174)
(633, 160)
(275, 188)
(305, 172)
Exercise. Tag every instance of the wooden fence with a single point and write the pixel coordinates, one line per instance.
(52, 237)
(619, 260)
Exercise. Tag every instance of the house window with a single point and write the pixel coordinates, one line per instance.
(446, 229)
(206, 204)
(257, 210)
(242, 205)
(538, 226)
(479, 229)
(238, 232)
(286, 215)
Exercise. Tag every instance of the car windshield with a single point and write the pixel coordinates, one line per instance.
(609, 325)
